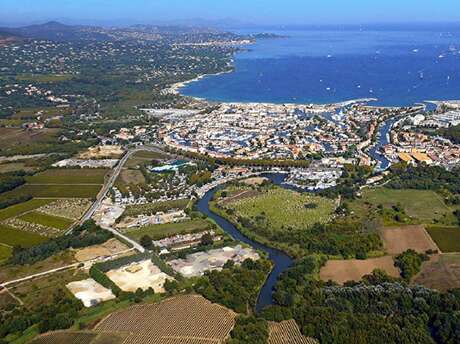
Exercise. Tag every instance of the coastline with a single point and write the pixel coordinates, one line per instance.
(175, 88)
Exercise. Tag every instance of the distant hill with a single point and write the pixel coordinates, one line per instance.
(6, 37)
(55, 31)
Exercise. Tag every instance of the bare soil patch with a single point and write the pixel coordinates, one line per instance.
(243, 194)
(441, 272)
(399, 239)
(341, 271)
(109, 248)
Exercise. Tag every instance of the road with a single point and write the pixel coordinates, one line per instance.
(105, 189)
(62, 268)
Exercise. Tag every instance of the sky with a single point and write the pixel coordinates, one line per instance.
(279, 12)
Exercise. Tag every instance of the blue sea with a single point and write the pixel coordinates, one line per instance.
(398, 67)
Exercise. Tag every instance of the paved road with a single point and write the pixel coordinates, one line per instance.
(106, 187)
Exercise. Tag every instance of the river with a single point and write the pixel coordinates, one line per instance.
(280, 260)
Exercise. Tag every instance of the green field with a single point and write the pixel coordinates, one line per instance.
(447, 238)
(5, 253)
(21, 208)
(157, 232)
(59, 191)
(69, 176)
(46, 220)
(280, 208)
(423, 205)
(43, 78)
(12, 237)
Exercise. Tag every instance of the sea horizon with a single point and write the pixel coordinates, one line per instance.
(399, 68)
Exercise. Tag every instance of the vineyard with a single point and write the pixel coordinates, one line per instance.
(287, 332)
(182, 319)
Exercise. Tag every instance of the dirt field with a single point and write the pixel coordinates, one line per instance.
(341, 271)
(441, 272)
(287, 332)
(108, 248)
(182, 319)
(399, 239)
(132, 177)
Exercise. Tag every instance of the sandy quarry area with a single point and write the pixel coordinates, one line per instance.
(90, 292)
(196, 264)
(399, 239)
(109, 248)
(341, 271)
(142, 275)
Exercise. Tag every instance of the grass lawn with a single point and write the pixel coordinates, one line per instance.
(46, 220)
(447, 238)
(69, 176)
(422, 205)
(59, 191)
(281, 208)
(13, 237)
(21, 208)
(157, 232)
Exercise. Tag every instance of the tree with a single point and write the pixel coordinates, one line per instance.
(206, 240)
(146, 242)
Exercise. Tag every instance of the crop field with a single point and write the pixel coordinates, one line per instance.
(447, 238)
(284, 208)
(12, 237)
(72, 209)
(65, 338)
(341, 271)
(80, 337)
(22, 208)
(46, 220)
(181, 319)
(441, 272)
(157, 232)
(287, 332)
(399, 239)
(69, 176)
(422, 205)
(59, 191)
